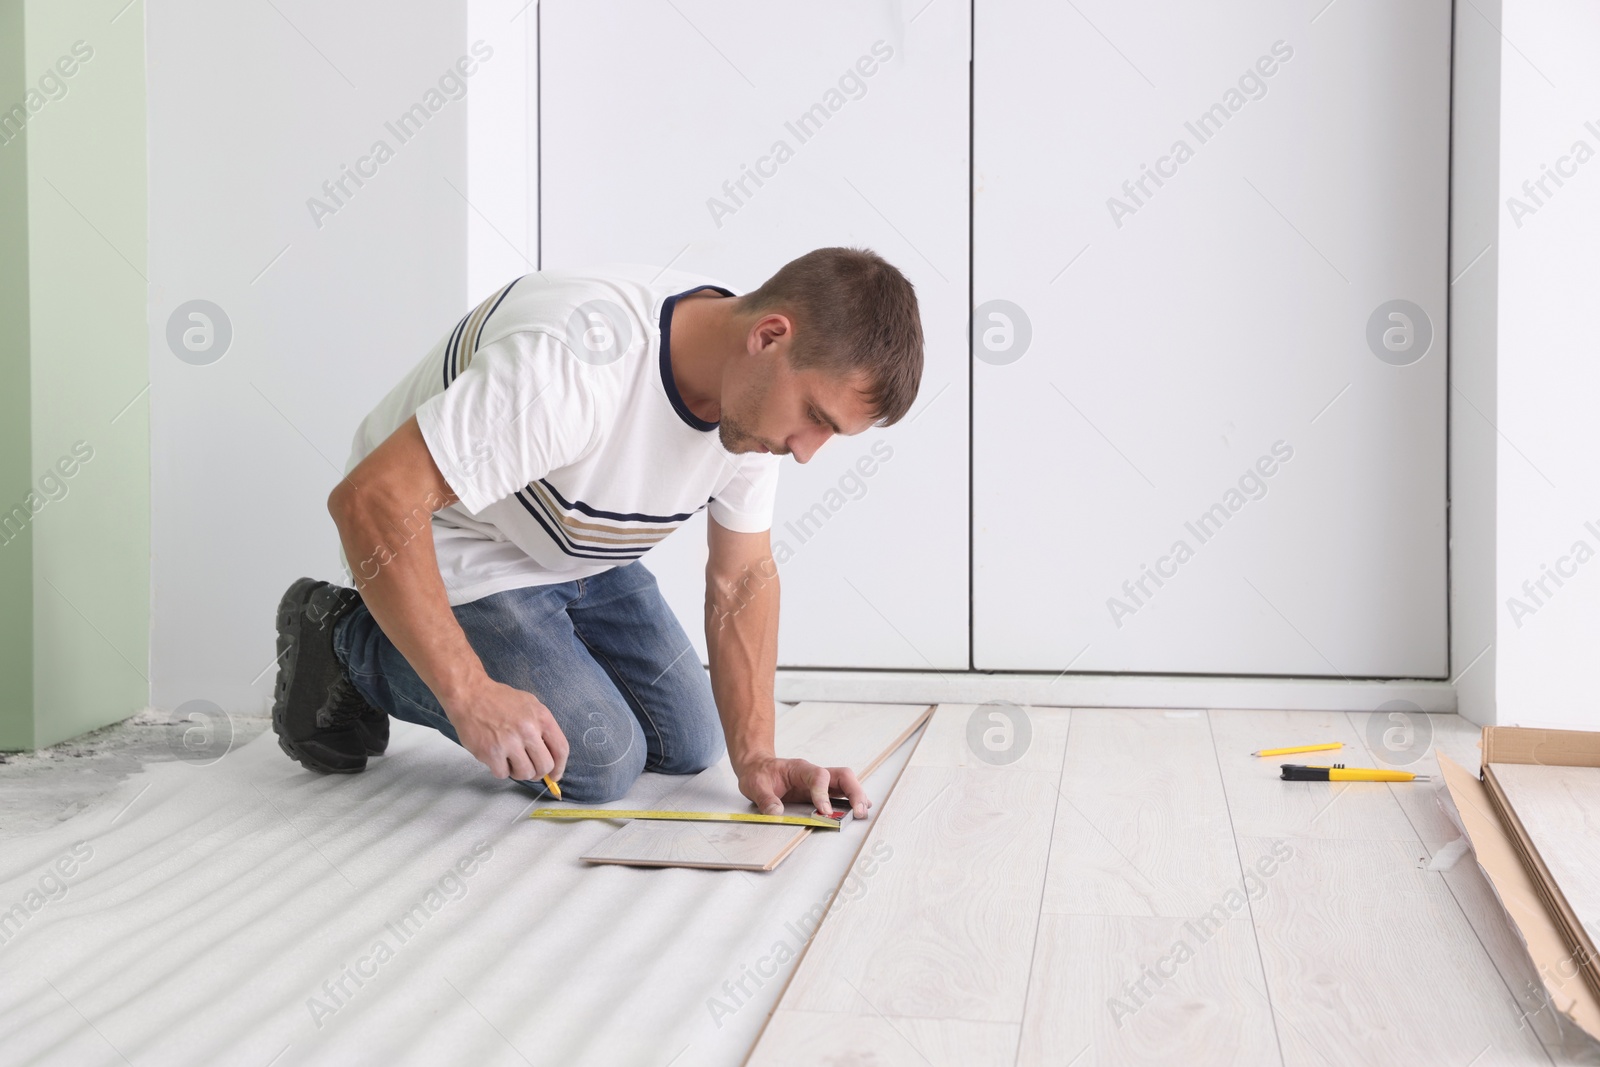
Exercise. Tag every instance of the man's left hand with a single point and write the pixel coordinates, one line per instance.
(771, 781)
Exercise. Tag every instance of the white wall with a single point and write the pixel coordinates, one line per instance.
(251, 109)
(1527, 441)
(1549, 484)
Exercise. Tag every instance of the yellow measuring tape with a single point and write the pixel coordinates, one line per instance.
(572, 814)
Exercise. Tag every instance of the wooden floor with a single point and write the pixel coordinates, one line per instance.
(1137, 888)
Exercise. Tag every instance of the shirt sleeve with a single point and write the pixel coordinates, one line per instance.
(745, 501)
(522, 408)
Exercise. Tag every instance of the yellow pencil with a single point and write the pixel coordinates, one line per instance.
(1299, 748)
(555, 790)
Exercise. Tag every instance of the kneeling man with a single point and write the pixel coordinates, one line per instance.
(499, 498)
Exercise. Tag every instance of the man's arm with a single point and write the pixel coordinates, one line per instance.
(384, 510)
(742, 645)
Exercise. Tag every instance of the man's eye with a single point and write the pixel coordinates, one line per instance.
(816, 418)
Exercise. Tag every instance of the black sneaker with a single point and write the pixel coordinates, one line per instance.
(311, 679)
(346, 705)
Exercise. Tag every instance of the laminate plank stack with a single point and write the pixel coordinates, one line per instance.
(1562, 988)
(1545, 786)
(1559, 807)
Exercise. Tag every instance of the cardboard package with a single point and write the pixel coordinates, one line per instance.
(1561, 950)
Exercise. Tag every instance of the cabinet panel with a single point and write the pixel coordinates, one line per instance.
(660, 133)
(1210, 288)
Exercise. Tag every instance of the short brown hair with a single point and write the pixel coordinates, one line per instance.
(853, 312)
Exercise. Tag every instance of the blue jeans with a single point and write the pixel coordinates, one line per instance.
(604, 654)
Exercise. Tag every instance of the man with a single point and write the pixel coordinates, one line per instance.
(498, 500)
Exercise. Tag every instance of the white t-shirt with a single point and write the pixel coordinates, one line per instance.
(552, 413)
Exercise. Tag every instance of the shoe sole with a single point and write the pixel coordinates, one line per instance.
(291, 611)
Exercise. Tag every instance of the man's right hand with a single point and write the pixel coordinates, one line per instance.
(510, 731)
(397, 574)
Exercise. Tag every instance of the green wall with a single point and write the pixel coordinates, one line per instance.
(75, 404)
(16, 450)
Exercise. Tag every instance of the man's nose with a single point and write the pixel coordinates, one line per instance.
(804, 446)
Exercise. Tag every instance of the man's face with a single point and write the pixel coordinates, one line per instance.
(767, 406)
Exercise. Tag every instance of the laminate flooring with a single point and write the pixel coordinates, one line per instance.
(1132, 887)
(1559, 807)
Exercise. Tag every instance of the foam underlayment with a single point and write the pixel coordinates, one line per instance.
(251, 912)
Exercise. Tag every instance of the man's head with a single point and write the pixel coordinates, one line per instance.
(833, 345)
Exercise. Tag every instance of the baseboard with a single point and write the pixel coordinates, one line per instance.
(1110, 690)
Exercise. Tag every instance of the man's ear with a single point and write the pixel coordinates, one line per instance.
(769, 331)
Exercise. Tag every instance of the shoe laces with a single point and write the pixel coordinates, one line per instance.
(344, 704)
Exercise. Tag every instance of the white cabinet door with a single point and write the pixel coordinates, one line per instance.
(1210, 288)
(659, 141)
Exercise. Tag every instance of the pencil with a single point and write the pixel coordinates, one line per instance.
(555, 790)
(1298, 748)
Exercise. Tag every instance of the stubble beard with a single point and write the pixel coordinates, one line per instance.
(734, 438)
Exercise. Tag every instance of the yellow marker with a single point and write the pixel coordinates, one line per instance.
(1299, 748)
(555, 790)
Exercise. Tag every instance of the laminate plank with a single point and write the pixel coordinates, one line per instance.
(1559, 808)
(1136, 990)
(1262, 805)
(987, 735)
(946, 931)
(1141, 826)
(809, 1038)
(858, 736)
(1368, 959)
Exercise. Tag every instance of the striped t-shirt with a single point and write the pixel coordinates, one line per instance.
(552, 413)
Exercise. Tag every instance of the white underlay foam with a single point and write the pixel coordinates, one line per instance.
(216, 902)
